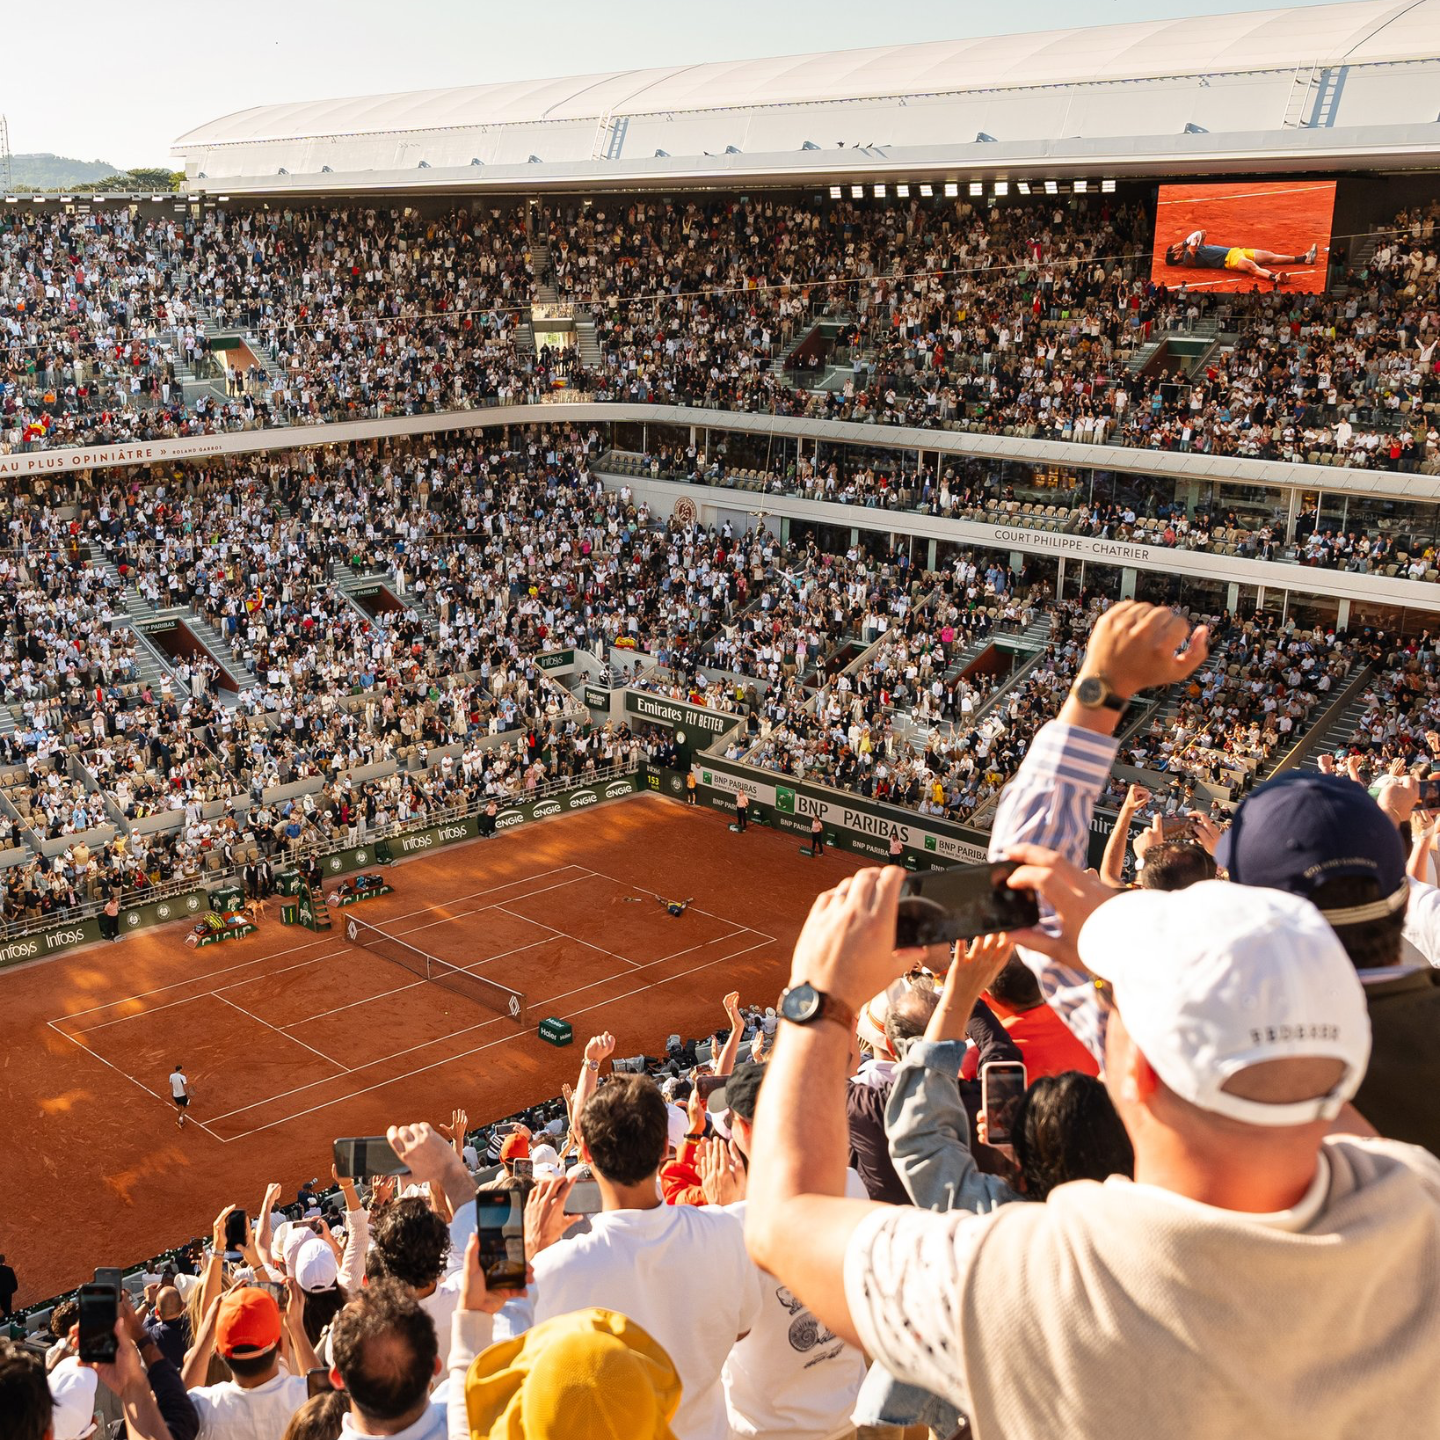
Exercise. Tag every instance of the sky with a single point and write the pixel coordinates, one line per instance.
(129, 87)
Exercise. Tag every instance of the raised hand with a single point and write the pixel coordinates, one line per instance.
(1072, 893)
(722, 1173)
(1136, 646)
(545, 1217)
(600, 1047)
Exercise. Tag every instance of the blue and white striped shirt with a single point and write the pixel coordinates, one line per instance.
(1049, 803)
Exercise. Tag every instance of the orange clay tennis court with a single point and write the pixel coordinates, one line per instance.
(291, 1038)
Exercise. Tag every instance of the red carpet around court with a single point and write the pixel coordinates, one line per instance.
(291, 1038)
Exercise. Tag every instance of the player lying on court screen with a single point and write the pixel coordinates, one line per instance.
(1193, 251)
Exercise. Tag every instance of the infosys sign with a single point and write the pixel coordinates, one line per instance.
(674, 712)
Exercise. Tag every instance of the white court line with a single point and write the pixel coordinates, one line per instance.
(294, 949)
(490, 1044)
(1247, 195)
(399, 989)
(241, 1010)
(494, 1020)
(565, 935)
(98, 1056)
(614, 880)
(299, 964)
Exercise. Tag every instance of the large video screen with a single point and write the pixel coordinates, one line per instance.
(1258, 235)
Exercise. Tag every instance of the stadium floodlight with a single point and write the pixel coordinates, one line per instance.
(1081, 187)
(1052, 188)
(38, 199)
(879, 192)
(902, 192)
(857, 192)
(926, 191)
(67, 199)
(1002, 187)
(1107, 187)
(977, 187)
(1023, 186)
(952, 189)
(11, 199)
(836, 192)
(224, 199)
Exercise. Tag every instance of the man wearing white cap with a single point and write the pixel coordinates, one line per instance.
(1260, 1276)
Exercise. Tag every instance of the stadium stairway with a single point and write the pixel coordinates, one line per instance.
(220, 649)
(211, 324)
(587, 341)
(1339, 722)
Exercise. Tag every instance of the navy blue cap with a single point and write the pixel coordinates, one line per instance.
(1298, 831)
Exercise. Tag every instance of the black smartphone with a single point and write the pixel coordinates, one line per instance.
(237, 1230)
(110, 1275)
(99, 1310)
(1002, 1083)
(961, 903)
(317, 1382)
(584, 1198)
(500, 1223)
(364, 1155)
(1429, 794)
(707, 1085)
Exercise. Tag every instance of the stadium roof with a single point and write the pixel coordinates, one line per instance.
(593, 117)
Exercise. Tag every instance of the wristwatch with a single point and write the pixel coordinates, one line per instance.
(803, 1004)
(1094, 693)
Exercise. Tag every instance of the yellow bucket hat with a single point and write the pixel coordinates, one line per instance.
(592, 1375)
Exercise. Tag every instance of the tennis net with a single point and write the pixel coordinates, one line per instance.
(489, 993)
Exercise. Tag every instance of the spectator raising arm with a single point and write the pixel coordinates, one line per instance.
(598, 1049)
(1112, 865)
(797, 1223)
(925, 1120)
(1132, 647)
(725, 1061)
(126, 1379)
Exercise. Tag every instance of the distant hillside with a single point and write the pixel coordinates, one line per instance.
(49, 172)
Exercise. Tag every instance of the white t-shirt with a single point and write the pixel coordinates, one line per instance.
(682, 1273)
(791, 1376)
(229, 1413)
(1422, 920)
(177, 1084)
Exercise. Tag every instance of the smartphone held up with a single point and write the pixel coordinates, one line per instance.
(961, 903)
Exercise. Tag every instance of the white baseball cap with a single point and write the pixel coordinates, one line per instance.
(1219, 977)
(315, 1266)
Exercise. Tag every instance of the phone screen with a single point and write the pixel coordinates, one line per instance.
(1002, 1083)
(365, 1155)
(962, 902)
(523, 1165)
(709, 1084)
(109, 1275)
(317, 1382)
(1430, 794)
(99, 1310)
(275, 1289)
(500, 1223)
(237, 1229)
(584, 1198)
(1176, 827)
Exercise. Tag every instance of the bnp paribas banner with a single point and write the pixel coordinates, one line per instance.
(865, 826)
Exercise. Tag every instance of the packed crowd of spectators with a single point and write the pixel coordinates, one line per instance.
(1013, 317)
(1208, 1082)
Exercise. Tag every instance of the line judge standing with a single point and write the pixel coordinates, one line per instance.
(742, 810)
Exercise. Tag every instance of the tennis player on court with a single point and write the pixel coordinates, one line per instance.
(1193, 251)
(179, 1093)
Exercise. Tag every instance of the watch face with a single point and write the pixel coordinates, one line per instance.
(800, 1003)
(1090, 691)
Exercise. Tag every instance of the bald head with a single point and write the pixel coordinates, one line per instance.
(168, 1304)
(910, 1010)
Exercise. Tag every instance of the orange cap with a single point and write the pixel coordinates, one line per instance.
(248, 1320)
